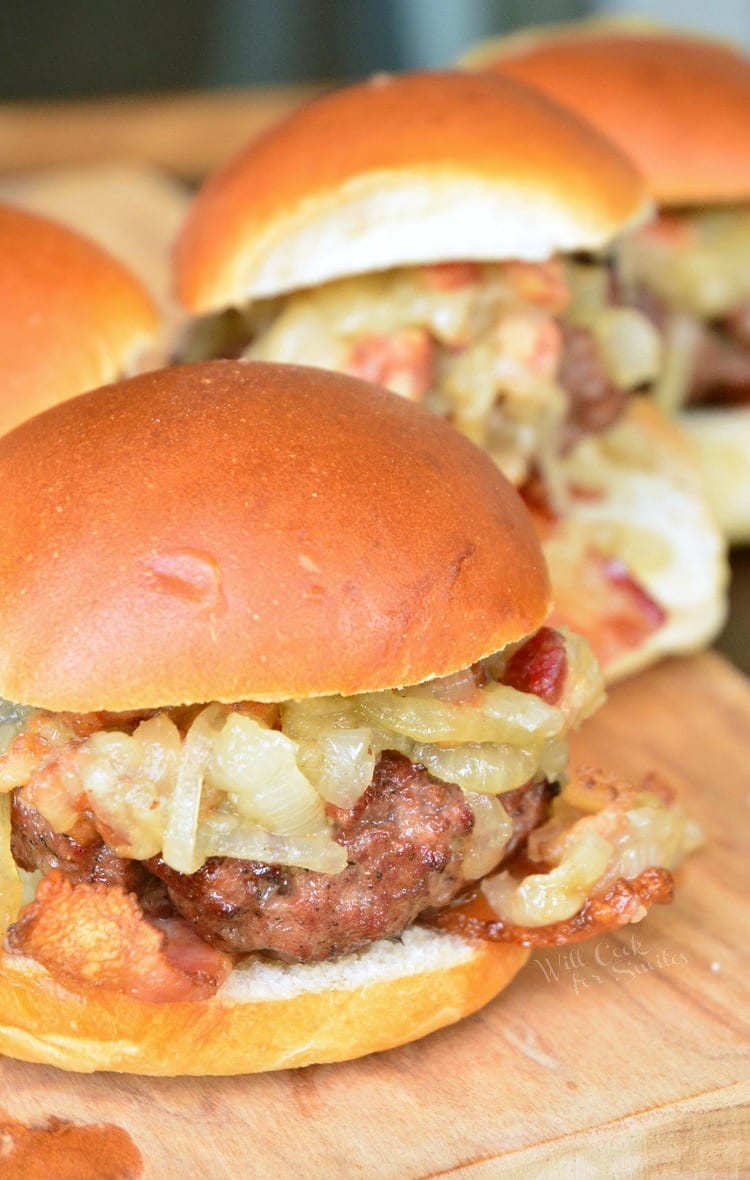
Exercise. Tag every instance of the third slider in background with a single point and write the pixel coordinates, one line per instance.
(677, 104)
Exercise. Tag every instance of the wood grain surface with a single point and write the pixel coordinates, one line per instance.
(188, 134)
(626, 1057)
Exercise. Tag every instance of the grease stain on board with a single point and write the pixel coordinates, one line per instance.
(67, 1151)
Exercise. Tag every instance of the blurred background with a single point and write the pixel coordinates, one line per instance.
(85, 48)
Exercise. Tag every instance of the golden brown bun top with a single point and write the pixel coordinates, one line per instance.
(679, 105)
(400, 170)
(242, 530)
(71, 316)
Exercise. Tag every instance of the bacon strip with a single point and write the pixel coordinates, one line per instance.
(539, 666)
(93, 935)
(627, 901)
(402, 360)
(604, 603)
(451, 276)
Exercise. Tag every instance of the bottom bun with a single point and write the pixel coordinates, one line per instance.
(267, 1015)
(722, 442)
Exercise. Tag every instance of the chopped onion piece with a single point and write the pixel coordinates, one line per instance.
(179, 848)
(682, 338)
(654, 835)
(304, 720)
(257, 767)
(614, 832)
(630, 345)
(246, 841)
(492, 830)
(10, 878)
(553, 760)
(126, 779)
(542, 898)
(461, 686)
(583, 691)
(388, 740)
(21, 757)
(500, 714)
(340, 765)
(162, 746)
(487, 769)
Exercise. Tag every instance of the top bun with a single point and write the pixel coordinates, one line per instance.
(677, 104)
(71, 318)
(403, 170)
(236, 530)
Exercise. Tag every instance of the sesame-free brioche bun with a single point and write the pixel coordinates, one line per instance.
(676, 103)
(72, 316)
(267, 1016)
(238, 530)
(403, 170)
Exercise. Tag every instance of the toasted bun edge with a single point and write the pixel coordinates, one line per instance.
(443, 979)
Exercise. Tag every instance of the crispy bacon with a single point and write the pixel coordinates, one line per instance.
(539, 666)
(627, 901)
(601, 600)
(671, 229)
(596, 596)
(403, 361)
(542, 283)
(94, 935)
(451, 276)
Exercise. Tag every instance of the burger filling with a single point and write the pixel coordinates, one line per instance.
(689, 271)
(157, 849)
(526, 359)
(516, 354)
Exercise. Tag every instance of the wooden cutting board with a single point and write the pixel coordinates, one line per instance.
(626, 1057)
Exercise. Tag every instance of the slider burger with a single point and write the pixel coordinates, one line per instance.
(443, 244)
(72, 316)
(678, 105)
(284, 730)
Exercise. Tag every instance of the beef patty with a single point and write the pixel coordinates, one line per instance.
(405, 841)
(595, 402)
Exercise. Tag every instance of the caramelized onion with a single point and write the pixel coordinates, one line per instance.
(310, 719)
(501, 714)
(238, 785)
(492, 830)
(486, 769)
(127, 779)
(600, 831)
(179, 849)
(30, 737)
(340, 764)
(257, 768)
(458, 688)
(655, 835)
(630, 345)
(227, 835)
(541, 898)
(583, 692)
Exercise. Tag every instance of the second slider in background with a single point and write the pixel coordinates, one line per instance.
(443, 235)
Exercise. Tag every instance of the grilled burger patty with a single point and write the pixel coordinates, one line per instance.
(405, 841)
